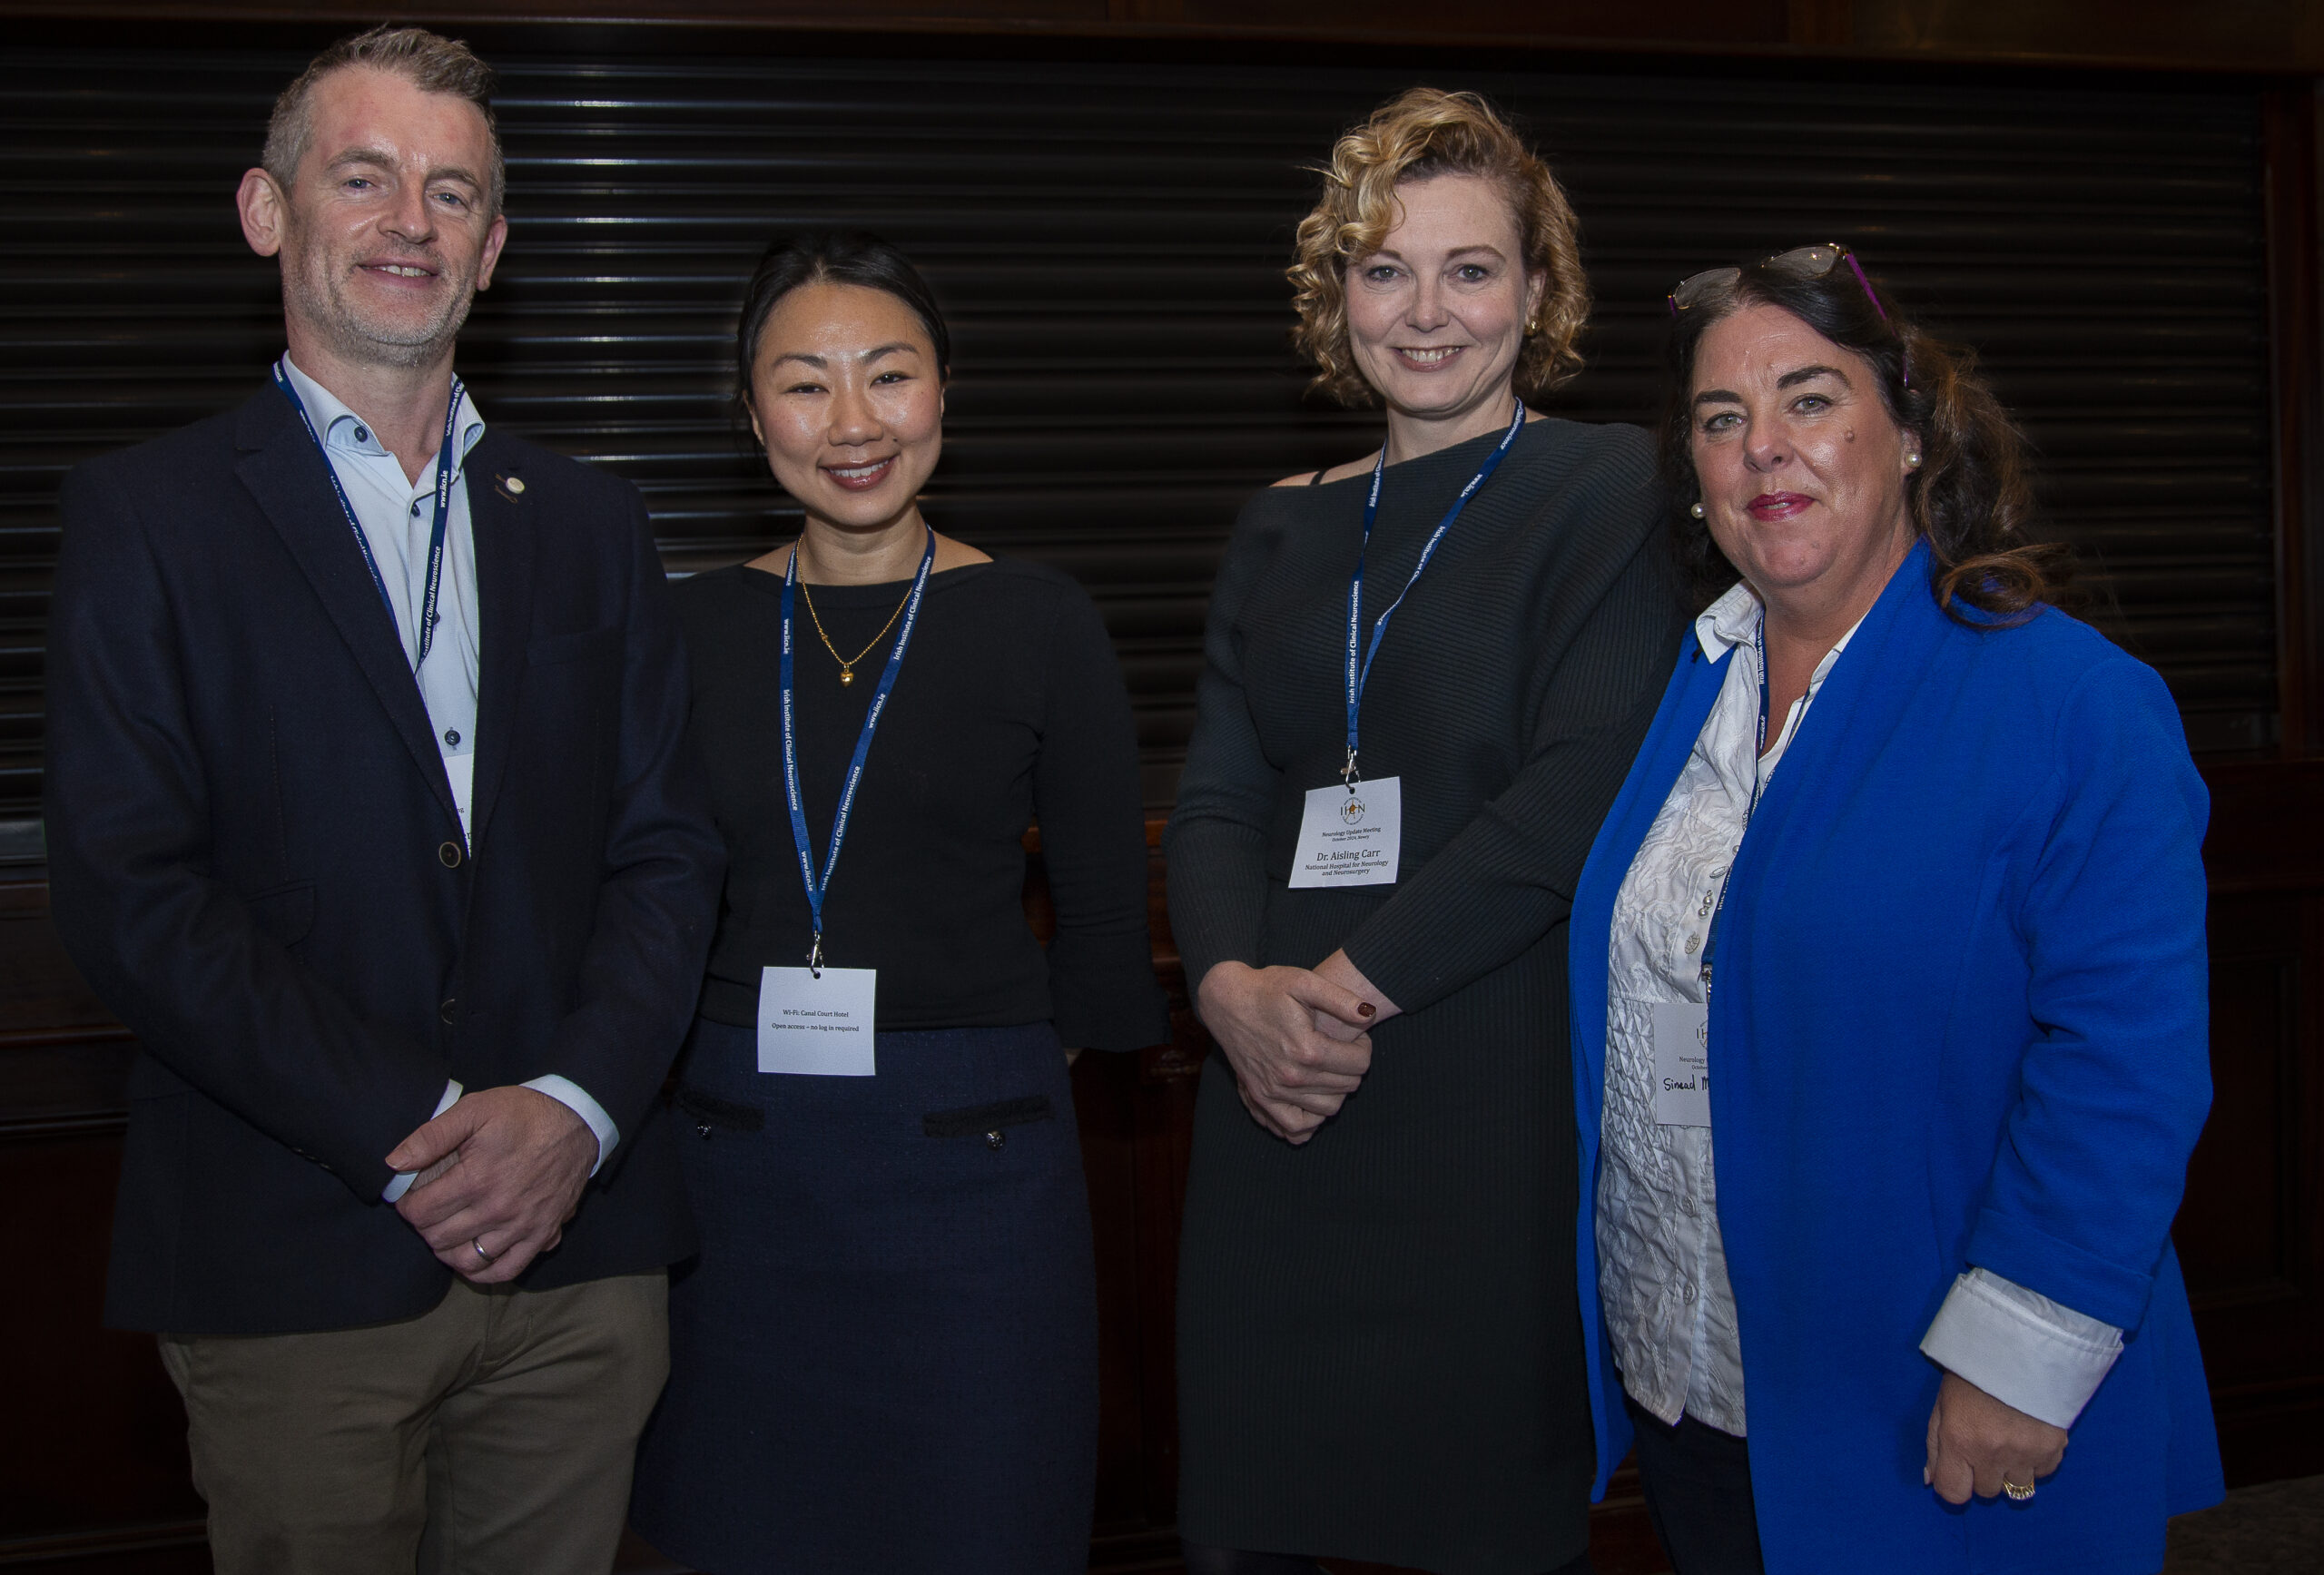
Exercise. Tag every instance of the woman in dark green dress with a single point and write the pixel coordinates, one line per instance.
(1371, 863)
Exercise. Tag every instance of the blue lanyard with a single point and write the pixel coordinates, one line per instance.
(815, 888)
(445, 465)
(1358, 676)
(1710, 936)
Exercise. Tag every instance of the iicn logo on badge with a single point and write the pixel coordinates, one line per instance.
(1352, 812)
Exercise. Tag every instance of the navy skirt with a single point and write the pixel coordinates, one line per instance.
(885, 1358)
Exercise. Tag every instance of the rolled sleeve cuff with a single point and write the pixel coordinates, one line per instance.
(575, 1098)
(400, 1183)
(2021, 1347)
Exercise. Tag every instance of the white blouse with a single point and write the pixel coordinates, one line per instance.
(1670, 1312)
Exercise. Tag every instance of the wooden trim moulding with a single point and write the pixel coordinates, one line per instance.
(1797, 30)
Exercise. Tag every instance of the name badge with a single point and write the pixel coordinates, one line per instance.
(1351, 840)
(1681, 1064)
(819, 1028)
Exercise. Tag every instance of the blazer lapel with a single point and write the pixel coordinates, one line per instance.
(1857, 708)
(288, 477)
(1856, 713)
(501, 514)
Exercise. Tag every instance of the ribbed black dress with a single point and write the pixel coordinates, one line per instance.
(1379, 1352)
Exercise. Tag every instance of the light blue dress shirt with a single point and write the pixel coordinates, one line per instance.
(398, 515)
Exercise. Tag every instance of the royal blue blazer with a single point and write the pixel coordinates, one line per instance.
(1961, 1019)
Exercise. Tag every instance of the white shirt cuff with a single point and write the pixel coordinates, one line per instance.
(402, 1182)
(575, 1098)
(2021, 1347)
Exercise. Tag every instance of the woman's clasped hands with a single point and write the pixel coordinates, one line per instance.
(1299, 1038)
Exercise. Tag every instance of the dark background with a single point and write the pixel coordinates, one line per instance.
(2119, 213)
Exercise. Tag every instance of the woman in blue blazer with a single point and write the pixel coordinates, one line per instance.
(1955, 1057)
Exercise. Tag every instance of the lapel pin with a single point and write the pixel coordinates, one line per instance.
(516, 485)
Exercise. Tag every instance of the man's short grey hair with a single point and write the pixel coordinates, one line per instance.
(428, 61)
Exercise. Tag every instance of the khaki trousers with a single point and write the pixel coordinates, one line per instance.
(491, 1436)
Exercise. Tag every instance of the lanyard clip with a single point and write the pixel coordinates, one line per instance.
(1348, 772)
(815, 956)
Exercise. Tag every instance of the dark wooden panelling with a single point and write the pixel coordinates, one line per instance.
(2244, 1252)
(2265, 834)
(2251, 1234)
(93, 1434)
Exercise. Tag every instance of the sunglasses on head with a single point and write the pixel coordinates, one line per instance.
(1801, 262)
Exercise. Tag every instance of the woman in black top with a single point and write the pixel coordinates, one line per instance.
(885, 1358)
(1379, 1350)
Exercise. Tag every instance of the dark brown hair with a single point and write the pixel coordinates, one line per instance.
(1972, 498)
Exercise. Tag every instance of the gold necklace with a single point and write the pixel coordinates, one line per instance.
(847, 664)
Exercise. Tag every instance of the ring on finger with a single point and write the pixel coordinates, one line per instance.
(2018, 1492)
(476, 1244)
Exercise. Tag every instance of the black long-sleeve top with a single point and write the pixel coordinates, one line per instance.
(1509, 694)
(1008, 709)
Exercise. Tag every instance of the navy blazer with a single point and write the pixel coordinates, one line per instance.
(1962, 1019)
(254, 857)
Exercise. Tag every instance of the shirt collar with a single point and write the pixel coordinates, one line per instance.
(1728, 622)
(1734, 619)
(343, 431)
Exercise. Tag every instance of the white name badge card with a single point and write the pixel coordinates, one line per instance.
(819, 1028)
(1681, 1064)
(1351, 839)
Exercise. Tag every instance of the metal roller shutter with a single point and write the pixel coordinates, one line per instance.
(1109, 241)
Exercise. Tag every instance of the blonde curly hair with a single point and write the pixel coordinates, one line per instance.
(1423, 132)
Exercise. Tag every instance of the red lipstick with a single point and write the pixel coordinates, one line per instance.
(1773, 506)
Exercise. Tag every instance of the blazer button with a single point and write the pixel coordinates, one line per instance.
(450, 1010)
(450, 854)
(995, 1140)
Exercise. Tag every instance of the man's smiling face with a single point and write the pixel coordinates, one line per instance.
(386, 231)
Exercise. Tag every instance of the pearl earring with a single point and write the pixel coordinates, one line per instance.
(1696, 510)
(1913, 461)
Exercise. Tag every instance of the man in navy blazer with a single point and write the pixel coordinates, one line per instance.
(367, 811)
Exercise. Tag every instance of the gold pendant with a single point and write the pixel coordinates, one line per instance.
(847, 675)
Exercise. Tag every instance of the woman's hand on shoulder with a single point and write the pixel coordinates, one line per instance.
(1977, 1443)
(1293, 1076)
